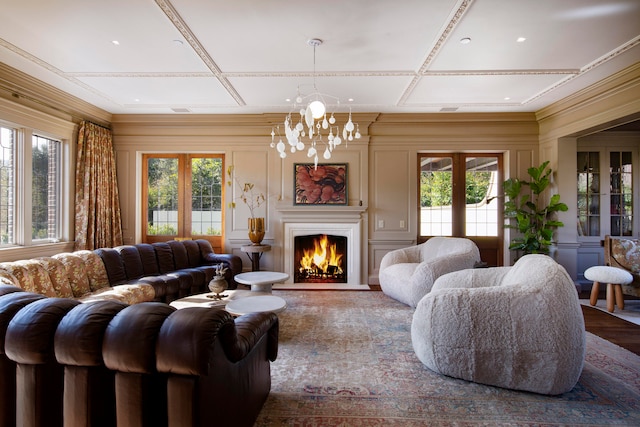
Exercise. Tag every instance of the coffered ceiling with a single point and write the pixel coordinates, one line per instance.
(249, 56)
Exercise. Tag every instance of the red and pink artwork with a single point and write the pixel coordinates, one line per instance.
(325, 184)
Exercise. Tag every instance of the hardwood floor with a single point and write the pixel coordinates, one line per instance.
(618, 331)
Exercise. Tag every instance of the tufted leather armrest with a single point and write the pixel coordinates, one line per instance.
(78, 339)
(239, 340)
(207, 328)
(29, 338)
(130, 339)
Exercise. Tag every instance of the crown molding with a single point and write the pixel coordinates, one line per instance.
(29, 91)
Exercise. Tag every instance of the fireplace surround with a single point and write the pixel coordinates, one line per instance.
(344, 221)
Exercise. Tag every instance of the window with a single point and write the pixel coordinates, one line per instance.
(7, 185)
(593, 197)
(30, 196)
(183, 197)
(621, 203)
(446, 211)
(459, 197)
(588, 193)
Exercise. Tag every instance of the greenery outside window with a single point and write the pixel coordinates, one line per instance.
(30, 191)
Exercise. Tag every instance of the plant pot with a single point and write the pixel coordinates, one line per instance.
(256, 230)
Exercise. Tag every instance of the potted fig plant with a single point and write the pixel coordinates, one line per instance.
(526, 211)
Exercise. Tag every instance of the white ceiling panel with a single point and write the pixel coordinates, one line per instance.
(247, 56)
(275, 91)
(358, 35)
(163, 91)
(486, 89)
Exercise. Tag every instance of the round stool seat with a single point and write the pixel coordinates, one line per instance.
(606, 274)
(613, 277)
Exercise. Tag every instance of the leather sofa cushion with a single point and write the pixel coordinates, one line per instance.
(114, 265)
(164, 256)
(148, 258)
(180, 257)
(193, 252)
(131, 260)
(78, 339)
(29, 338)
(129, 343)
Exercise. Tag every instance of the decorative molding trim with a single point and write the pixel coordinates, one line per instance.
(193, 41)
(463, 6)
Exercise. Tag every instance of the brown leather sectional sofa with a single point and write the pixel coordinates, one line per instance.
(162, 271)
(106, 363)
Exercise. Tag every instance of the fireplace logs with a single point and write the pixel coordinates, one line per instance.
(320, 258)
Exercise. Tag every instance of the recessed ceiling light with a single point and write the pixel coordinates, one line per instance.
(521, 39)
(287, 100)
(116, 42)
(350, 99)
(465, 40)
(506, 98)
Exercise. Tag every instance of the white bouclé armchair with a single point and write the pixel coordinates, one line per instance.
(407, 274)
(518, 327)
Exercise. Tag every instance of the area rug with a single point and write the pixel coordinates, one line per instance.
(345, 359)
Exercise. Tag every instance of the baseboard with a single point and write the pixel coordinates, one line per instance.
(320, 286)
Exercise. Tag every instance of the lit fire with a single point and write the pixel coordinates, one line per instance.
(322, 259)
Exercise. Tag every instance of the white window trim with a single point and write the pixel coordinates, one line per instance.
(28, 122)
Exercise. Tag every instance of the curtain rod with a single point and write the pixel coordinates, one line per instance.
(97, 124)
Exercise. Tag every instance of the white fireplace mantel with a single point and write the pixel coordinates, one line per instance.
(307, 213)
(336, 220)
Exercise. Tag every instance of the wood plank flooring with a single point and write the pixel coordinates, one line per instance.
(618, 331)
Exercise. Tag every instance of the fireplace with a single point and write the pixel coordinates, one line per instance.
(342, 224)
(320, 258)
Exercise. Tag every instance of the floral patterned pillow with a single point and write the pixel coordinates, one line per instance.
(35, 278)
(95, 268)
(7, 278)
(57, 275)
(626, 252)
(76, 273)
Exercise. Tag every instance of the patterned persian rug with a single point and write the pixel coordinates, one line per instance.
(345, 359)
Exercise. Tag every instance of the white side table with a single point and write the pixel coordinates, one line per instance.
(256, 304)
(261, 281)
(254, 252)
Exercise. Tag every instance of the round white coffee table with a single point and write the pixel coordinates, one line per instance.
(261, 281)
(255, 304)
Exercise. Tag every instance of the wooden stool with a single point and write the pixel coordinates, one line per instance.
(614, 278)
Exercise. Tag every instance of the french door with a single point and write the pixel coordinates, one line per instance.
(183, 197)
(459, 197)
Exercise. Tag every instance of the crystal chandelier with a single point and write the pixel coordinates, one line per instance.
(321, 132)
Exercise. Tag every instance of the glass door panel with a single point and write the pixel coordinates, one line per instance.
(459, 197)
(436, 195)
(481, 184)
(162, 196)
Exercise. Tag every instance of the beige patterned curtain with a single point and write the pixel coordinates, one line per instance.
(98, 222)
